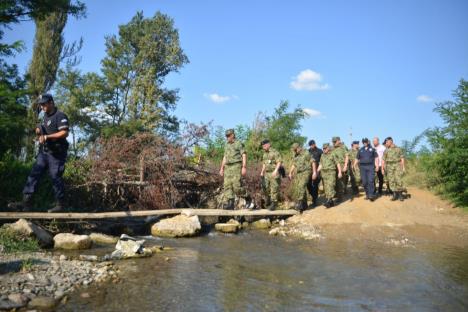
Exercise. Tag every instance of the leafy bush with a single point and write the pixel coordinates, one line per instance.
(16, 242)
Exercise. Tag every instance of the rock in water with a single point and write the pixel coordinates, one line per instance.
(226, 228)
(42, 303)
(261, 224)
(129, 246)
(72, 241)
(103, 238)
(33, 230)
(178, 226)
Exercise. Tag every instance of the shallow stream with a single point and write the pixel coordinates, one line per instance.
(253, 271)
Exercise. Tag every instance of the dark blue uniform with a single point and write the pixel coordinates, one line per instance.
(313, 185)
(366, 157)
(52, 155)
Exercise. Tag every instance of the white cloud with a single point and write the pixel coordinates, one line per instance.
(216, 98)
(310, 112)
(308, 80)
(424, 98)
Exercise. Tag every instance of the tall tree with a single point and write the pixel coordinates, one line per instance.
(138, 61)
(450, 144)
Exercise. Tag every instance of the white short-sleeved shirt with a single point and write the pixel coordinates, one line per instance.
(380, 151)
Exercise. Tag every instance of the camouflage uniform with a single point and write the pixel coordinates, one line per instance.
(271, 185)
(354, 174)
(303, 164)
(328, 162)
(340, 154)
(232, 171)
(392, 158)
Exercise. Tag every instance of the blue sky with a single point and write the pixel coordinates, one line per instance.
(374, 66)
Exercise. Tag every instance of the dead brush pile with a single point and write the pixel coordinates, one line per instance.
(146, 171)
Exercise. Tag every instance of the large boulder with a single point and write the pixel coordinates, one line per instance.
(261, 224)
(33, 230)
(72, 241)
(178, 226)
(100, 238)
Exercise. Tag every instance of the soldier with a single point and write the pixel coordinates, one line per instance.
(393, 165)
(301, 169)
(329, 164)
(368, 164)
(270, 174)
(354, 172)
(233, 168)
(52, 135)
(313, 185)
(341, 153)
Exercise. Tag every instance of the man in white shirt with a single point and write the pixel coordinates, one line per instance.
(380, 151)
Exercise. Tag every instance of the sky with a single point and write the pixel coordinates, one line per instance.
(366, 68)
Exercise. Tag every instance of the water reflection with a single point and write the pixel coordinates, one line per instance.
(255, 272)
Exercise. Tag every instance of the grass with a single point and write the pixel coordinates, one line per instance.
(26, 265)
(16, 242)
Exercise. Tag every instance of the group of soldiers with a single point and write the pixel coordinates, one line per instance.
(335, 166)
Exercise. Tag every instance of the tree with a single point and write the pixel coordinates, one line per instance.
(137, 63)
(450, 145)
(283, 127)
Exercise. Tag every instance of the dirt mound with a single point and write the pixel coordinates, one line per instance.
(423, 216)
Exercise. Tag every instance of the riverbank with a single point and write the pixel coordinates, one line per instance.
(422, 218)
(41, 280)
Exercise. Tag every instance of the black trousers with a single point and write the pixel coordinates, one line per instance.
(313, 187)
(380, 177)
(55, 165)
(367, 177)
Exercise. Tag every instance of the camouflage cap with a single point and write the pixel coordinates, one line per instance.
(295, 146)
(229, 132)
(325, 145)
(335, 138)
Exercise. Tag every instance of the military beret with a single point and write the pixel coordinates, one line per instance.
(44, 98)
(336, 138)
(355, 142)
(295, 146)
(229, 132)
(325, 145)
(266, 141)
(365, 140)
(311, 142)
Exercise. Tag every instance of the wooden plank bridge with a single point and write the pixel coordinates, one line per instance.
(144, 213)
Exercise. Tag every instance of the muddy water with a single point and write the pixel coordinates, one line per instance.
(255, 272)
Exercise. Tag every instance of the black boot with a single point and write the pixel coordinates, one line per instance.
(59, 206)
(299, 206)
(24, 205)
(229, 205)
(249, 204)
(401, 196)
(394, 196)
(272, 206)
(331, 203)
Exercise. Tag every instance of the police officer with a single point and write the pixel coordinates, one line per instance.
(368, 164)
(233, 168)
(313, 185)
(53, 147)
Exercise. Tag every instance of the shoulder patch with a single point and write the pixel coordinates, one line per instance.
(64, 120)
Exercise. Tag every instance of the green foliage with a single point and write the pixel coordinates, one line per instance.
(26, 265)
(12, 109)
(450, 145)
(16, 242)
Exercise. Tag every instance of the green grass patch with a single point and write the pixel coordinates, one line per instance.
(13, 241)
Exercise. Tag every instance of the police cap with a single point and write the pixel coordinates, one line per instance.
(311, 142)
(355, 142)
(365, 140)
(44, 98)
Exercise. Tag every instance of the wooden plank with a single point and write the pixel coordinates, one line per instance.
(143, 213)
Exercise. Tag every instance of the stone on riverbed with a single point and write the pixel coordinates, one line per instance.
(261, 224)
(33, 230)
(226, 228)
(42, 303)
(100, 238)
(72, 241)
(178, 226)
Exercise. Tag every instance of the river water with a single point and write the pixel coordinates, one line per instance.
(253, 271)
